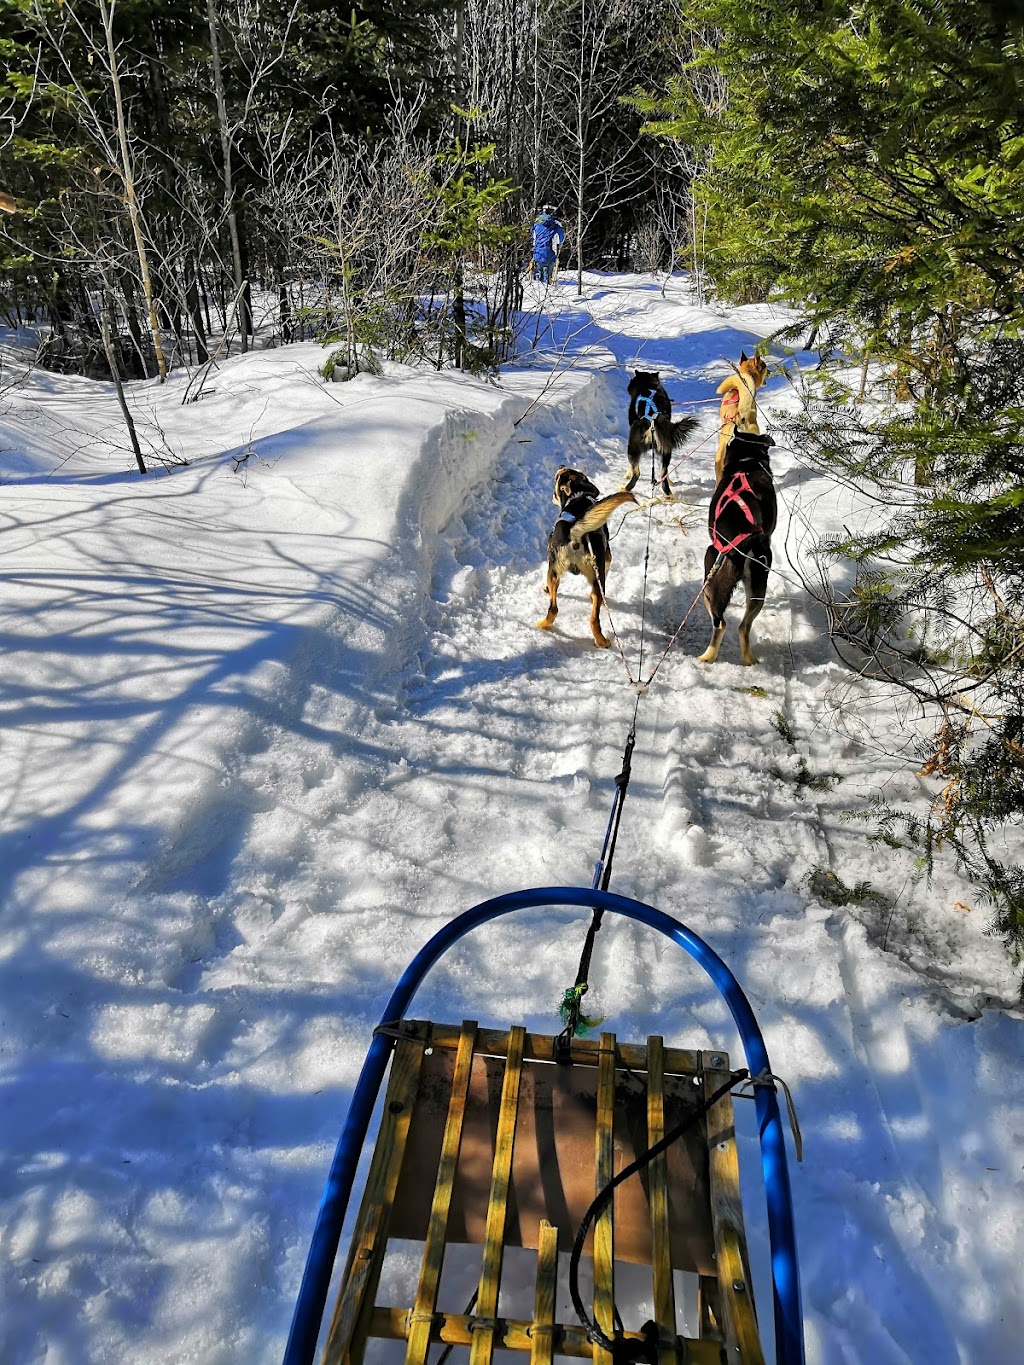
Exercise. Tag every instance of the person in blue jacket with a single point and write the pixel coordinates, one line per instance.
(548, 236)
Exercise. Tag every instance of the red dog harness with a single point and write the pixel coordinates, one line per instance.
(730, 409)
(733, 492)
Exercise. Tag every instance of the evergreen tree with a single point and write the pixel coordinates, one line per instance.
(865, 165)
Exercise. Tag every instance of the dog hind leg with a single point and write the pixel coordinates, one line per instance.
(718, 588)
(636, 445)
(596, 598)
(662, 440)
(711, 653)
(551, 588)
(755, 583)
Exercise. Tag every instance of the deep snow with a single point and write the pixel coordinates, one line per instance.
(265, 730)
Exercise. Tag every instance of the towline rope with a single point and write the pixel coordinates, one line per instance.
(571, 1007)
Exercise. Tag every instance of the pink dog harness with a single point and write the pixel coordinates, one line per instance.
(733, 492)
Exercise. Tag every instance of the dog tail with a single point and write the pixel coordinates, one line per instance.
(595, 517)
(673, 434)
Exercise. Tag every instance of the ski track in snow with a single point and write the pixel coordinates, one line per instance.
(409, 745)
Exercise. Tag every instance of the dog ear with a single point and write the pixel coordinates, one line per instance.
(743, 357)
(656, 374)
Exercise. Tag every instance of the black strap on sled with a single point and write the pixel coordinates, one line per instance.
(627, 1350)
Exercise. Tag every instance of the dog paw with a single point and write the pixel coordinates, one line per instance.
(750, 659)
(544, 623)
(601, 642)
(708, 657)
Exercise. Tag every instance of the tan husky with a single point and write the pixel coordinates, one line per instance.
(579, 543)
(739, 411)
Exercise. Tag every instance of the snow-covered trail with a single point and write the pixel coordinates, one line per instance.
(247, 779)
(490, 768)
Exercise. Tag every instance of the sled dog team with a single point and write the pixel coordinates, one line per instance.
(741, 517)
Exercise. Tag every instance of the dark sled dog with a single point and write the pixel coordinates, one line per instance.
(651, 425)
(740, 521)
(579, 543)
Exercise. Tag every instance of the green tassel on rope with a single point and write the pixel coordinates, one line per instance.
(570, 1011)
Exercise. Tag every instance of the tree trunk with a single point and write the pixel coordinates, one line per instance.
(132, 321)
(204, 296)
(106, 314)
(192, 303)
(245, 304)
(459, 321)
(904, 339)
(225, 149)
(107, 18)
(863, 375)
(221, 300)
(580, 167)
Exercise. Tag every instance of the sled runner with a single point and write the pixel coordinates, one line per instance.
(502, 1138)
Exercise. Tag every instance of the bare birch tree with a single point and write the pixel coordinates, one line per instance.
(256, 48)
(110, 134)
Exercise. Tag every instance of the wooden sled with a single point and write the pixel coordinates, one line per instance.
(486, 1140)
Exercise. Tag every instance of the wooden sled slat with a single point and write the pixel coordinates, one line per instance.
(540, 1047)
(484, 1140)
(661, 1262)
(350, 1324)
(736, 1296)
(497, 1204)
(604, 1170)
(542, 1330)
(516, 1334)
(433, 1250)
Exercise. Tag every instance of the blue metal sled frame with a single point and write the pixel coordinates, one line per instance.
(309, 1307)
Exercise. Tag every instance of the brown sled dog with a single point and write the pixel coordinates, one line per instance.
(740, 522)
(651, 425)
(739, 411)
(579, 543)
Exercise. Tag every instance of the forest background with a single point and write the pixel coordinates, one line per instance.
(180, 179)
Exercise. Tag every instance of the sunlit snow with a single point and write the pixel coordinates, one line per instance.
(272, 718)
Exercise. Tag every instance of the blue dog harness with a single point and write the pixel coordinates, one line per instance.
(649, 411)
